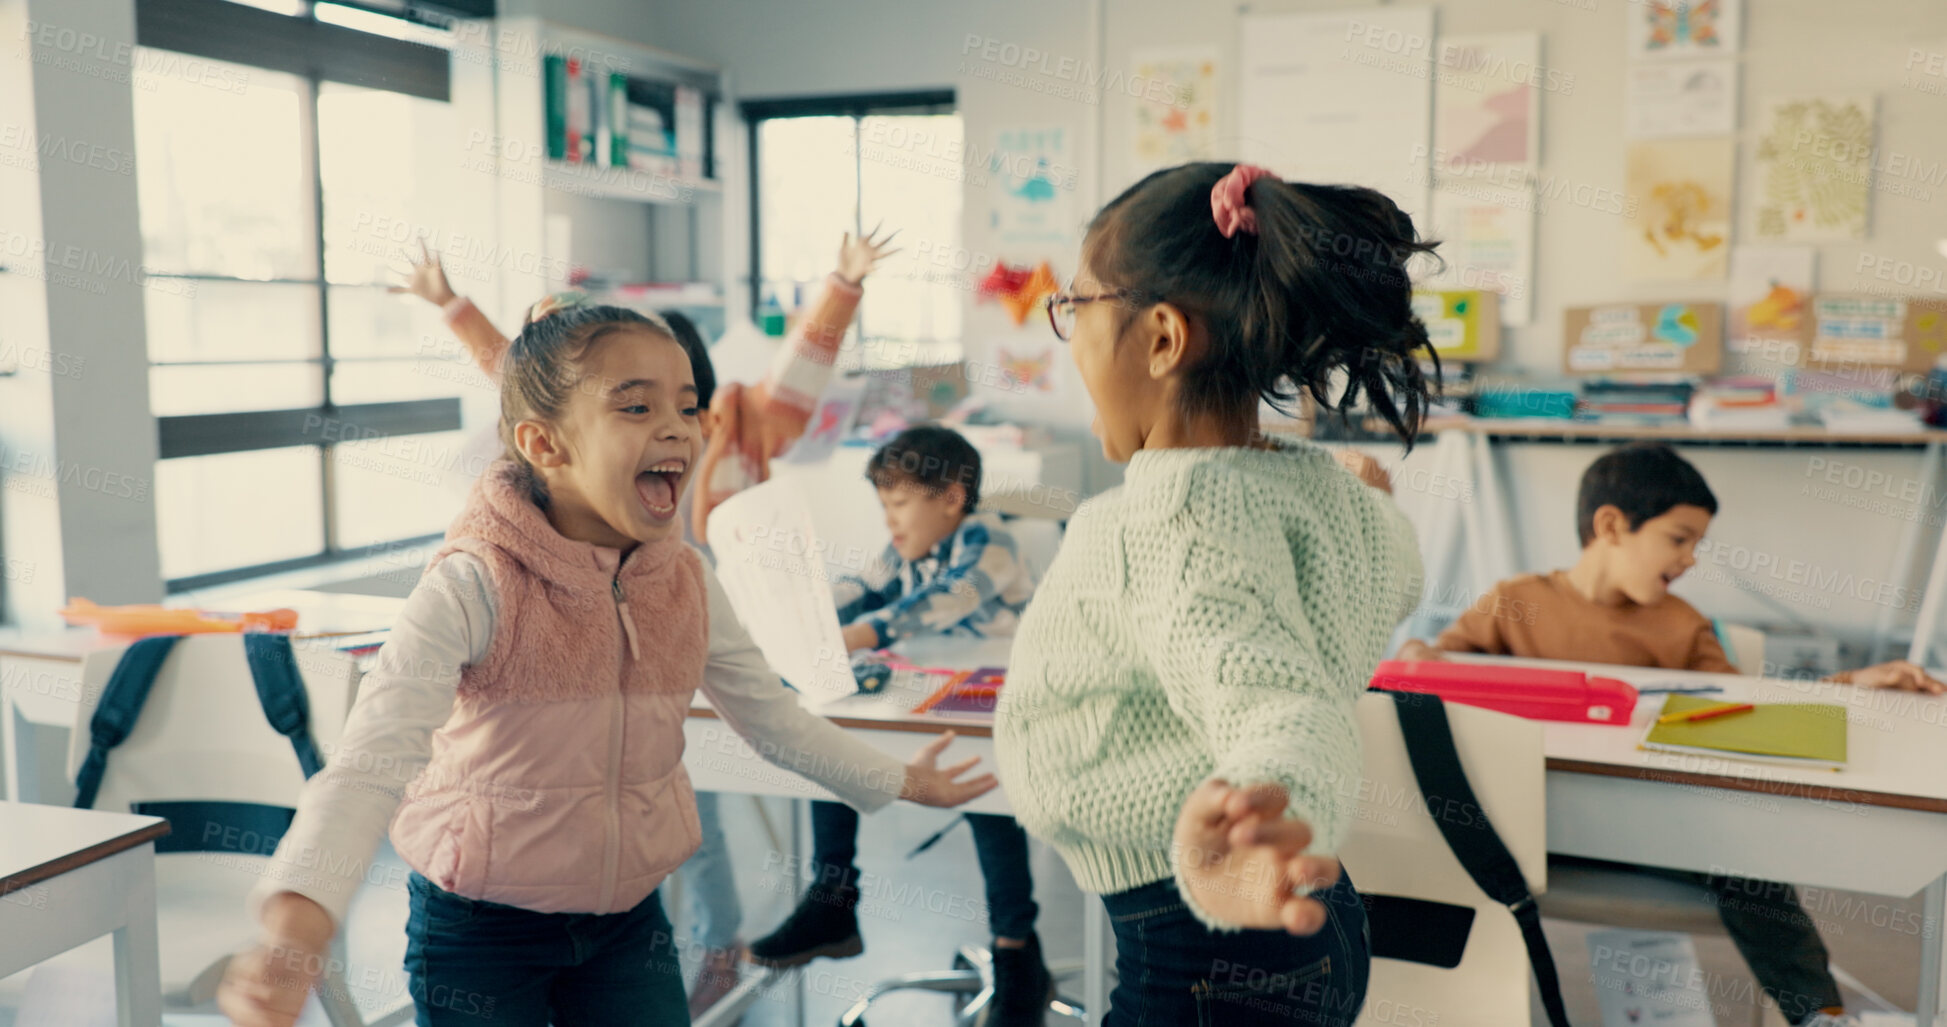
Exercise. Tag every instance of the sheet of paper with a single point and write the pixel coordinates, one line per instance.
(772, 566)
(1770, 301)
(1814, 169)
(1649, 977)
(1342, 97)
(1487, 242)
(837, 409)
(1674, 29)
(1175, 122)
(1682, 227)
(1487, 101)
(1681, 98)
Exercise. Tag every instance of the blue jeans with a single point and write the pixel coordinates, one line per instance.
(1175, 972)
(710, 882)
(999, 843)
(470, 962)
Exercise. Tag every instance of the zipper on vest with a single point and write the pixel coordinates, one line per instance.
(628, 622)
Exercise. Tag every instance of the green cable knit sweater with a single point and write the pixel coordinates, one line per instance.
(1216, 615)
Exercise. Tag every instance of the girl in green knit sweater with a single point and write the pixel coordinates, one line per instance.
(1178, 720)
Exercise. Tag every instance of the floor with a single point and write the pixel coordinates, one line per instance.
(920, 911)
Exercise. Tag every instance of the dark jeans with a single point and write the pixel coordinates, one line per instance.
(1778, 941)
(472, 962)
(999, 842)
(1175, 972)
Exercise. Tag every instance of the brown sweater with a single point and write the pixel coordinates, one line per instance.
(1542, 616)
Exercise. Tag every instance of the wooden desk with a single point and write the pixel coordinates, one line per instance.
(70, 876)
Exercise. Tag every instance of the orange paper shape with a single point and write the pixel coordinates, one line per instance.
(147, 619)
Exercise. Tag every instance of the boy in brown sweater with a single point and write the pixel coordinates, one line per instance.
(1641, 511)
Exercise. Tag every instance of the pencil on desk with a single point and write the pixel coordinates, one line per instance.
(1705, 713)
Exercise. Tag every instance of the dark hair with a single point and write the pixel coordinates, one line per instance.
(692, 342)
(929, 456)
(1320, 287)
(542, 369)
(1643, 480)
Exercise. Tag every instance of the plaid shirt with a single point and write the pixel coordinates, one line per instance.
(973, 582)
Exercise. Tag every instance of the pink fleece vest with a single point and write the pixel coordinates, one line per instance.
(558, 785)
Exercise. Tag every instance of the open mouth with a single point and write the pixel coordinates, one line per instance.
(659, 485)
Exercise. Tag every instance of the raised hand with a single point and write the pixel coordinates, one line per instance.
(427, 280)
(857, 257)
(929, 784)
(1243, 861)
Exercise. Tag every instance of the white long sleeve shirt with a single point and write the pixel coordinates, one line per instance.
(447, 624)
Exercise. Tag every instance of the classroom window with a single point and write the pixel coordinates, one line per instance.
(825, 167)
(294, 396)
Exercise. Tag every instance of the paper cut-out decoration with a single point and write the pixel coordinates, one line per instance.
(1019, 290)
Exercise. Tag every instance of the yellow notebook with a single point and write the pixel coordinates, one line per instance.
(1795, 734)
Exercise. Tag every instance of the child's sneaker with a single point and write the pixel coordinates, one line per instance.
(1829, 1020)
(824, 924)
(1023, 987)
(716, 978)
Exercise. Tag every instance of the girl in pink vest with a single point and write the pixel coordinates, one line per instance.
(523, 731)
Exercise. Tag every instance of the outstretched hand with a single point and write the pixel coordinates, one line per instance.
(929, 784)
(427, 279)
(857, 257)
(1243, 861)
(1898, 674)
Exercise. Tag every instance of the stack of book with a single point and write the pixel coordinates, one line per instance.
(1739, 404)
(1648, 400)
(606, 118)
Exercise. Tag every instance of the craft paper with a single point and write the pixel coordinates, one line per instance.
(1487, 241)
(773, 570)
(1486, 101)
(1686, 337)
(1681, 98)
(1681, 230)
(1343, 97)
(1814, 169)
(1182, 125)
(1667, 29)
(1028, 368)
(1770, 301)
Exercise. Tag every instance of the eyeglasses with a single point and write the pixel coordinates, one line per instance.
(1061, 308)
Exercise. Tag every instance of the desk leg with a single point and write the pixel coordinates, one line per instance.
(1934, 918)
(17, 735)
(138, 957)
(1904, 556)
(1098, 953)
(1928, 620)
(1493, 502)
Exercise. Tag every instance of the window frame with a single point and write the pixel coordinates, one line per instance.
(316, 52)
(858, 107)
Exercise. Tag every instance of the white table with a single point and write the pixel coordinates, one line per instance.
(719, 760)
(1878, 826)
(40, 673)
(69, 876)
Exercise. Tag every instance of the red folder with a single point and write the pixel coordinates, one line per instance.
(1532, 692)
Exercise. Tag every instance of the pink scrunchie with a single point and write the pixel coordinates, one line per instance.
(1228, 205)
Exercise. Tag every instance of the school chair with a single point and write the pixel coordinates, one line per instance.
(1441, 945)
(971, 984)
(201, 751)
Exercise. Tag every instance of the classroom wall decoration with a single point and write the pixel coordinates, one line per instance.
(1675, 29)
(1340, 97)
(1462, 324)
(1814, 169)
(1033, 189)
(1680, 98)
(1771, 302)
(1181, 126)
(1019, 290)
(1678, 337)
(1486, 101)
(1030, 369)
(1862, 330)
(1682, 227)
(1487, 241)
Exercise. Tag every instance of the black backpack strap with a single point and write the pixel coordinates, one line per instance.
(1457, 812)
(115, 715)
(280, 691)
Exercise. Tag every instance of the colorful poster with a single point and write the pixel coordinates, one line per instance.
(1814, 168)
(1685, 337)
(1028, 368)
(1681, 98)
(1462, 324)
(1340, 97)
(1180, 126)
(1033, 187)
(1487, 102)
(1858, 330)
(1770, 300)
(1675, 29)
(1682, 227)
(1487, 241)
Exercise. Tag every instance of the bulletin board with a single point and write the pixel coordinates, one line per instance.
(1463, 324)
(1683, 337)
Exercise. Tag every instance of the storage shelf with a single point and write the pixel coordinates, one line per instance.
(612, 183)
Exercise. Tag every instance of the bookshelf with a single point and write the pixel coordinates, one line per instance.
(566, 207)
